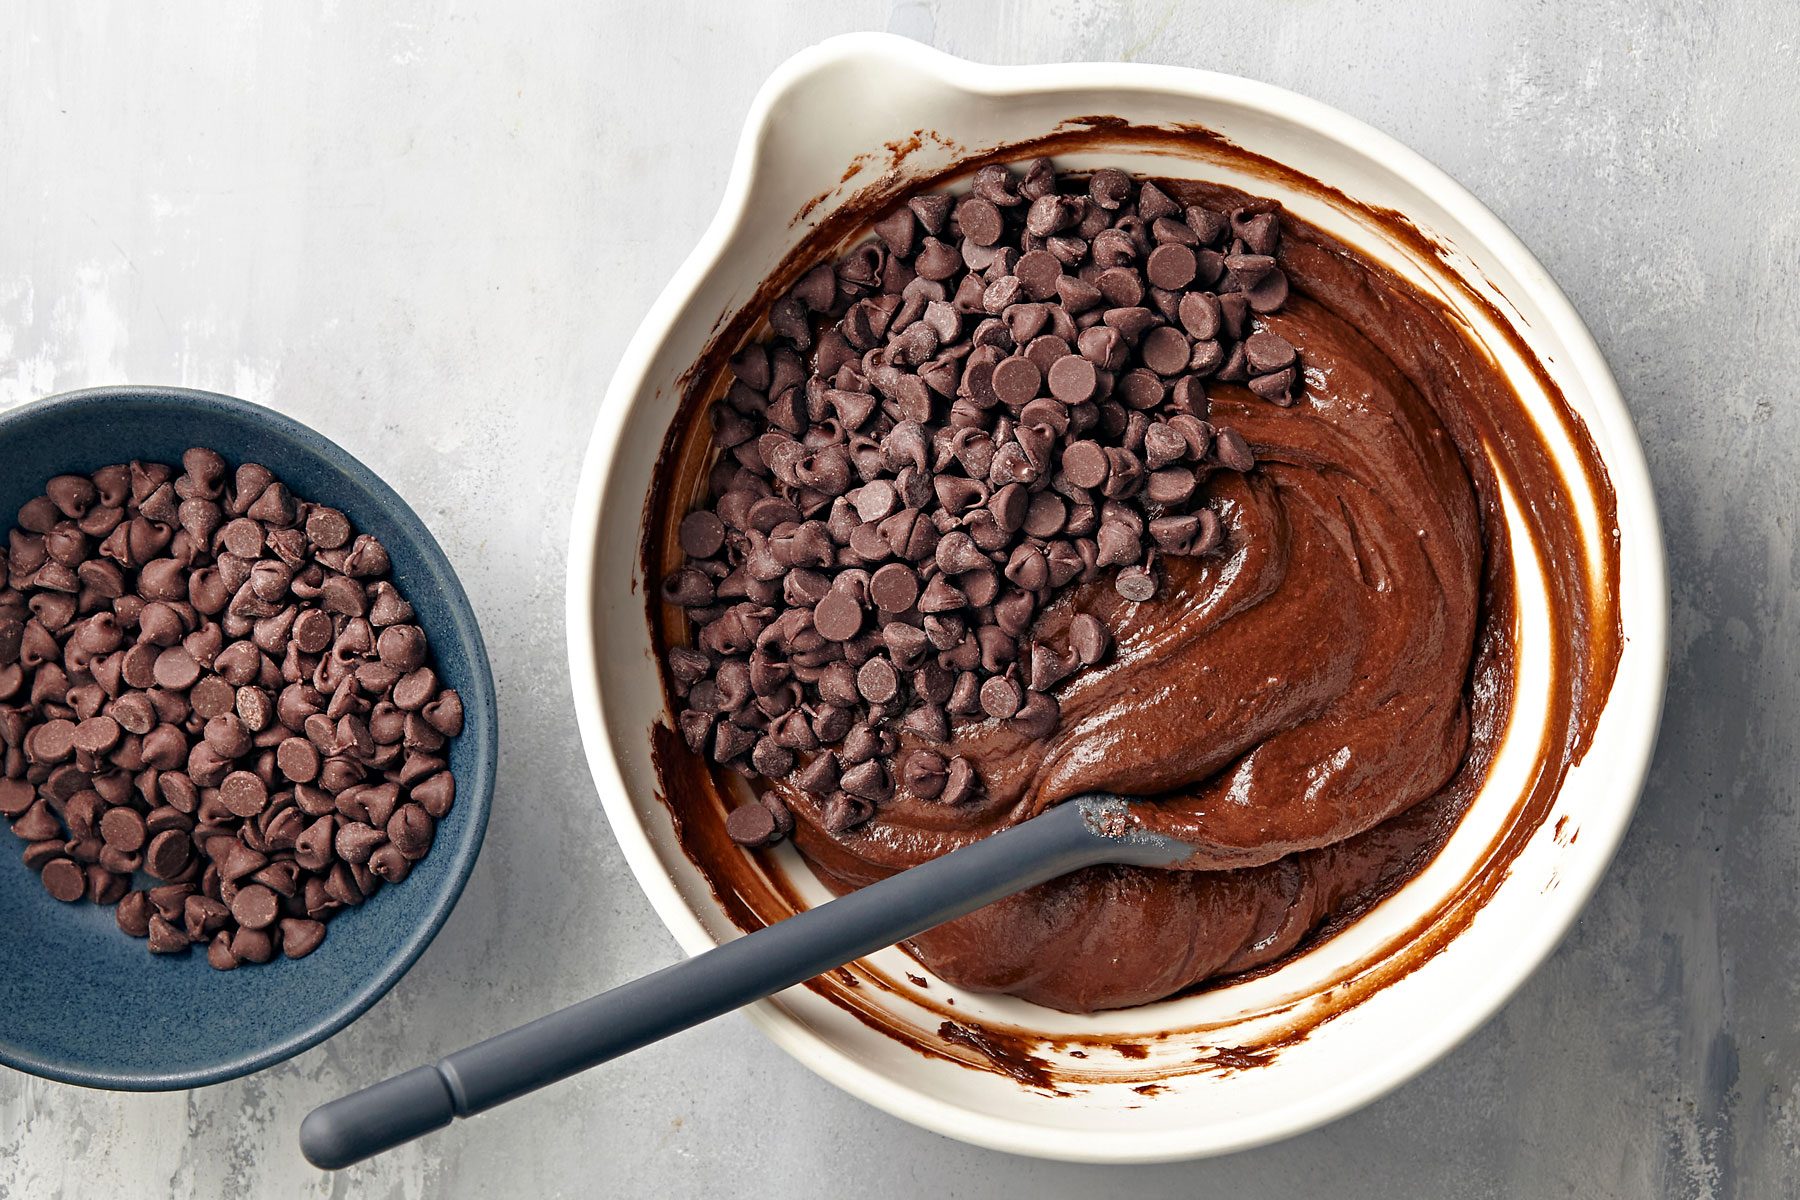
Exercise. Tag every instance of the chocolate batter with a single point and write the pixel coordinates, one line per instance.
(1316, 709)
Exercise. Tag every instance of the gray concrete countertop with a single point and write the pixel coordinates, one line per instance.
(429, 228)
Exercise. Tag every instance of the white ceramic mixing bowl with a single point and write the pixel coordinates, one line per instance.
(867, 110)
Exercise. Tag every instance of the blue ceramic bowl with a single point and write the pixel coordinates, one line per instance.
(86, 1004)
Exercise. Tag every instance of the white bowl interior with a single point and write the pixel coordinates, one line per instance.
(840, 105)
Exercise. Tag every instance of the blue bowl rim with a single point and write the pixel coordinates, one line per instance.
(476, 794)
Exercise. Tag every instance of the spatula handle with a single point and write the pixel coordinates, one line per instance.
(742, 970)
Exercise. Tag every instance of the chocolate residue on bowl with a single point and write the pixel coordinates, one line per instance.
(1502, 450)
(1007, 1052)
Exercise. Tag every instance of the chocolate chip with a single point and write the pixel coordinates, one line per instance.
(860, 744)
(1045, 515)
(1073, 379)
(244, 793)
(1103, 346)
(123, 829)
(1136, 584)
(1046, 669)
(175, 668)
(326, 528)
(1118, 542)
(820, 776)
(868, 780)
(957, 552)
(401, 647)
(1165, 351)
(894, 588)
(1269, 293)
(979, 220)
(106, 886)
(297, 759)
(228, 735)
(906, 644)
(1163, 444)
(1258, 228)
(342, 595)
(1039, 274)
(357, 840)
(751, 825)
(1084, 464)
(1037, 717)
(211, 697)
(927, 724)
(838, 616)
(1109, 188)
(937, 260)
(965, 696)
(251, 945)
(255, 907)
(218, 952)
(97, 734)
(960, 785)
(1210, 535)
(1266, 352)
(996, 184)
(1122, 287)
(133, 914)
(36, 823)
(1009, 505)
(877, 681)
(1173, 535)
(1088, 638)
(844, 812)
(924, 773)
(1000, 697)
(1040, 179)
(1277, 387)
(1016, 380)
(1234, 314)
(931, 210)
(1171, 265)
(299, 937)
(203, 916)
(1232, 451)
(64, 879)
(165, 938)
(771, 759)
(780, 812)
(1012, 616)
(16, 796)
(956, 494)
(1028, 568)
(314, 848)
(1141, 389)
(168, 854)
(689, 588)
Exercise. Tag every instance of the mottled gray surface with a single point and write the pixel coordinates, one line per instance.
(395, 221)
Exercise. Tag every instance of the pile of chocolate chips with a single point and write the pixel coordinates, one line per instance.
(999, 396)
(210, 681)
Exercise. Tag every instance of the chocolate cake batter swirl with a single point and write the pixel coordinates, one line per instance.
(1315, 708)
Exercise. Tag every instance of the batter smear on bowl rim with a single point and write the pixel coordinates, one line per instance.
(1094, 483)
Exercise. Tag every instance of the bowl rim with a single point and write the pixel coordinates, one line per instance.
(477, 795)
(1639, 711)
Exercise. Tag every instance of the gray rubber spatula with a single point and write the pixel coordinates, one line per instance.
(1080, 833)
